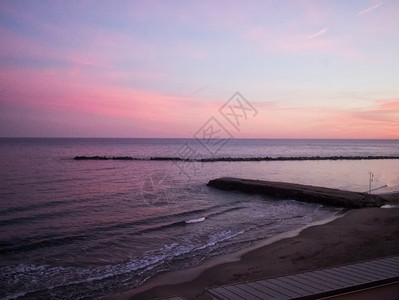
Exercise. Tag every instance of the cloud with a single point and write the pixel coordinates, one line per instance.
(314, 35)
(293, 42)
(367, 10)
(40, 94)
(379, 120)
(385, 112)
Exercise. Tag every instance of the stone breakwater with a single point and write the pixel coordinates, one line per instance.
(215, 159)
(299, 192)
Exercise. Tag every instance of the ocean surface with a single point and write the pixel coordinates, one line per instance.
(76, 229)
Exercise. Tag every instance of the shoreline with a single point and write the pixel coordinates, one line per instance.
(185, 275)
(357, 235)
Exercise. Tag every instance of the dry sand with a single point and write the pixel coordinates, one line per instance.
(361, 234)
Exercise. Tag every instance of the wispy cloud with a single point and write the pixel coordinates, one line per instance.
(315, 35)
(369, 9)
(294, 43)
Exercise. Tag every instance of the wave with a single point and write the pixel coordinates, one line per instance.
(390, 206)
(158, 227)
(155, 224)
(61, 282)
(220, 237)
(202, 219)
(45, 204)
(231, 159)
(225, 211)
(28, 219)
(7, 248)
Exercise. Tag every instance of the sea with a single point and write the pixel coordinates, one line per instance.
(84, 229)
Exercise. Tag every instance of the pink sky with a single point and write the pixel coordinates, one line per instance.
(161, 69)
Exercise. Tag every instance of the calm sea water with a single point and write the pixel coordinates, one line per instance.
(82, 229)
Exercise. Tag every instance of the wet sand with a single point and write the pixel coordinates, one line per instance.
(361, 234)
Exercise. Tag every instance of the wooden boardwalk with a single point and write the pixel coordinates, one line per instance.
(315, 284)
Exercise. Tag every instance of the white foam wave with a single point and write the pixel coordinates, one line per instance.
(220, 237)
(202, 219)
(390, 206)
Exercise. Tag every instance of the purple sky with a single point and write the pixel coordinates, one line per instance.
(311, 69)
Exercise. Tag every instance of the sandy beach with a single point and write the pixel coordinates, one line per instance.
(361, 234)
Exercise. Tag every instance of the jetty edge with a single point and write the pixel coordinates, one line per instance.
(299, 192)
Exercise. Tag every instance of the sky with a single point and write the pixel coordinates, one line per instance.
(303, 69)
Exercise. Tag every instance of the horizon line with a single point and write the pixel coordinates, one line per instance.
(186, 138)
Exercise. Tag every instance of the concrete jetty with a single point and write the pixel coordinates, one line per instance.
(300, 192)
